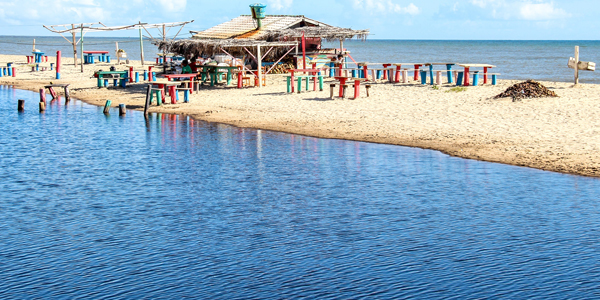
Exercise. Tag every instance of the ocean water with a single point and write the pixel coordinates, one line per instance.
(538, 60)
(103, 206)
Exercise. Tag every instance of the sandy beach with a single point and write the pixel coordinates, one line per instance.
(554, 134)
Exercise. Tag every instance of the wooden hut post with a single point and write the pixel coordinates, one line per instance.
(141, 46)
(117, 53)
(341, 52)
(81, 64)
(74, 45)
(259, 57)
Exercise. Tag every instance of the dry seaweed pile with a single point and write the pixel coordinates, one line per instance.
(527, 89)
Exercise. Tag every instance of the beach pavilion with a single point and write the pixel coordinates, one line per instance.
(246, 35)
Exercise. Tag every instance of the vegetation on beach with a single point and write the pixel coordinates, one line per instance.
(457, 89)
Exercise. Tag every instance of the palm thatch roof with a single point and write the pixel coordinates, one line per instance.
(234, 47)
(328, 33)
(245, 27)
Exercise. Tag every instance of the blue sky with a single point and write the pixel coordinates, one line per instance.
(387, 19)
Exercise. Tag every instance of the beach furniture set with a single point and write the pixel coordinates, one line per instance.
(314, 74)
(52, 92)
(214, 73)
(169, 57)
(119, 78)
(88, 56)
(175, 83)
(422, 71)
(37, 57)
(135, 73)
(8, 69)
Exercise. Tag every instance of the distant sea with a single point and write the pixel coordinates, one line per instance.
(539, 60)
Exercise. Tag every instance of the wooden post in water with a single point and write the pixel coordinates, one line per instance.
(42, 106)
(42, 95)
(122, 109)
(67, 94)
(21, 106)
(107, 107)
(148, 95)
(52, 92)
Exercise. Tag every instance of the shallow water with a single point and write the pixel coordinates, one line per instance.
(95, 206)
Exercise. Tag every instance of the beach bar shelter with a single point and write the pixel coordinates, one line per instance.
(231, 47)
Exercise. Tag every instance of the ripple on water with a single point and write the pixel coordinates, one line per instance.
(103, 207)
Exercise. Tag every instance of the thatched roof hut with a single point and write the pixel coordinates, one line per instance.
(329, 33)
(235, 47)
(245, 27)
(277, 34)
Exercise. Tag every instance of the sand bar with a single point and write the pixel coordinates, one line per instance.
(554, 134)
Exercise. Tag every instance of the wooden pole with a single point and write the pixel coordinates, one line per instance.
(576, 65)
(342, 51)
(122, 109)
(148, 95)
(303, 52)
(164, 50)
(117, 53)
(82, 47)
(33, 48)
(74, 45)
(67, 93)
(42, 95)
(259, 56)
(21, 106)
(141, 47)
(42, 106)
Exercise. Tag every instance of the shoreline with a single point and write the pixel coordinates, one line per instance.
(552, 134)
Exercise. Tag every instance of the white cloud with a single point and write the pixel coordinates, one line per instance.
(173, 5)
(279, 4)
(486, 3)
(542, 11)
(385, 6)
(533, 10)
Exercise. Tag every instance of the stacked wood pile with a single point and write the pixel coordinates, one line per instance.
(282, 68)
(527, 89)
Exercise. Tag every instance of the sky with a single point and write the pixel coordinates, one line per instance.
(386, 19)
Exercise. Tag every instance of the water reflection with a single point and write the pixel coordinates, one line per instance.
(167, 206)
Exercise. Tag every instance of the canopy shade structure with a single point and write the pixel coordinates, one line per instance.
(83, 28)
(328, 33)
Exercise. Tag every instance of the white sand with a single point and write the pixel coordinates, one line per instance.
(557, 134)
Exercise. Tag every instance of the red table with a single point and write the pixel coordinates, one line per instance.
(357, 81)
(399, 66)
(189, 76)
(311, 71)
(469, 66)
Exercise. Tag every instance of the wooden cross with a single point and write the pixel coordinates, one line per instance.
(574, 63)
